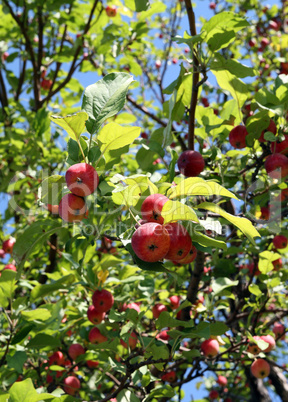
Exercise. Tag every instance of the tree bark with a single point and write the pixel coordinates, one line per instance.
(280, 382)
(258, 391)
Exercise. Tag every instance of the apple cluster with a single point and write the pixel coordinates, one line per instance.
(102, 301)
(7, 248)
(82, 180)
(152, 241)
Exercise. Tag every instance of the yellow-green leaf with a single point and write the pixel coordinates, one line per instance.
(241, 223)
(74, 124)
(41, 314)
(197, 186)
(114, 136)
(176, 211)
(265, 261)
(208, 241)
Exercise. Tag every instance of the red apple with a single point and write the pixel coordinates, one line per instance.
(95, 336)
(260, 368)
(277, 264)
(180, 242)
(75, 350)
(212, 5)
(157, 309)
(144, 135)
(272, 128)
(82, 179)
(271, 342)
(174, 60)
(222, 380)
(132, 341)
(170, 376)
(57, 358)
(111, 11)
(151, 242)
(94, 315)
(46, 84)
(205, 102)
(253, 347)
(279, 330)
(265, 213)
(213, 394)
(189, 257)
(92, 363)
(237, 137)
(175, 302)
(2, 254)
(102, 300)
(276, 166)
(284, 195)
(252, 42)
(71, 385)
(5, 55)
(158, 64)
(264, 42)
(273, 25)
(280, 147)
(132, 306)
(210, 348)
(163, 335)
(187, 50)
(54, 209)
(72, 208)
(152, 207)
(191, 163)
(8, 245)
(280, 241)
(10, 267)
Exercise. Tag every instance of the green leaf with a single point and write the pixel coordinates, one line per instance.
(265, 261)
(74, 124)
(8, 283)
(176, 211)
(105, 98)
(44, 290)
(165, 320)
(255, 125)
(167, 133)
(17, 361)
(36, 233)
(43, 340)
(40, 314)
(233, 66)
(113, 136)
(222, 283)
(141, 5)
(197, 186)
(24, 391)
(207, 241)
(241, 223)
(22, 333)
(254, 289)
(218, 328)
(52, 189)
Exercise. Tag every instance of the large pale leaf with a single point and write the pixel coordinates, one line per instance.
(105, 98)
(241, 223)
(266, 259)
(198, 186)
(222, 283)
(176, 211)
(114, 136)
(233, 66)
(44, 290)
(24, 391)
(73, 124)
(51, 189)
(41, 314)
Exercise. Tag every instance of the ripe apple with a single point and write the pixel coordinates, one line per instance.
(271, 342)
(57, 358)
(187, 50)
(284, 195)
(237, 137)
(212, 5)
(222, 380)
(260, 368)
(102, 300)
(253, 347)
(189, 257)
(82, 179)
(180, 242)
(210, 347)
(280, 147)
(213, 394)
(163, 335)
(265, 213)
(72, 208)
(277, 264)
(158, 64)
(54, 209)
(132, 306)
(8, 245)
(264, 42)
(175, 302)
(2, 254)
(94, 315)
(144, 135)
(132, 341)
(75, 350)
(111, 11)
(92, 363)
(150, 242)
(152, 207)
(191, 163)
(10, 267)
(71, 385)
(4, 56)
(205, 102)
(157, 310)
(272, 128)
(276, 166)
(95, 336)
(46, 84)
(174, 60)
(273, 25)
(252, 42)
(280, 241)
(170, 376)
(279, 330)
